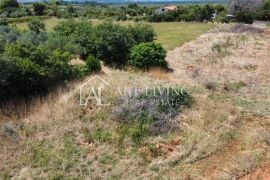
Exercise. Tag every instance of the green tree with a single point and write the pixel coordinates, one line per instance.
(147, 55)
(39, 8)
(142, 33)
(80, 33)
(267, 5)
(245, 17)
(113, 43)
(6, 4)
(207, 12)
(66, 28)
(31, 69)
(54, 7)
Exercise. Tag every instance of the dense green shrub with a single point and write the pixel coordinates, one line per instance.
(36, 60)
(35, 38)
(36, 26)
(81, 34)
(206, 13)
(85, 37)
(147, 55)
(3, 22)
(93, 64)
(31, 69)
(39, 8)
(142, 33)
(264, 12)
(64, 43)
(66, 28)
(245, 17)
(8, 35)
(113, 43)
(7, 4)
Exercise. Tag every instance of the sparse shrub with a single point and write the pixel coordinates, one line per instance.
(138, 130)
(102, 135)
(243, 28)
(217, 48)
(210, 85)
(147, 55)
(234, 86)
(222, 48)
(93, 64)
(10, 130)
(157, 108)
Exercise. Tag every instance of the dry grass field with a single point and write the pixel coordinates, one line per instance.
(224, 135)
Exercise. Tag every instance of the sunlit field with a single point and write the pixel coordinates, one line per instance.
(169, 34)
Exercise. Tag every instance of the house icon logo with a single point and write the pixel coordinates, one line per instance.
(92, 91)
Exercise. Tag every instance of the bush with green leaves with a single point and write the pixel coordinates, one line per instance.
(7, 4)
(35, 38)
(66, 28)
(36, 25)
(113, 43)
(93, 64)
(31, 69)
(147, 55)
(245, 17)
(142, 33)
(3, 22)
(64, 43)
(8, 35)
(39, 8)
(81, 34)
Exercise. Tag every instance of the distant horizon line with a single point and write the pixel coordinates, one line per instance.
(129, 1)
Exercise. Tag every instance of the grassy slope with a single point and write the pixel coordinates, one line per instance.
(170, 35)
(219, 138)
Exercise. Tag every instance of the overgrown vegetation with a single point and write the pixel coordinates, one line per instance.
(35, 61)
(147, 55)
(245, 11)
(153, 129)
(153, 111)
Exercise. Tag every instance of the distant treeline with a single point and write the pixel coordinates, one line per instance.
(236, 11)
(128, 1)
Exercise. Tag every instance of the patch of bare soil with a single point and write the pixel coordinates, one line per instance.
(262, 173)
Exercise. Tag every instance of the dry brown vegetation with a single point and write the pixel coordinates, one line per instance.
(224, 135)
